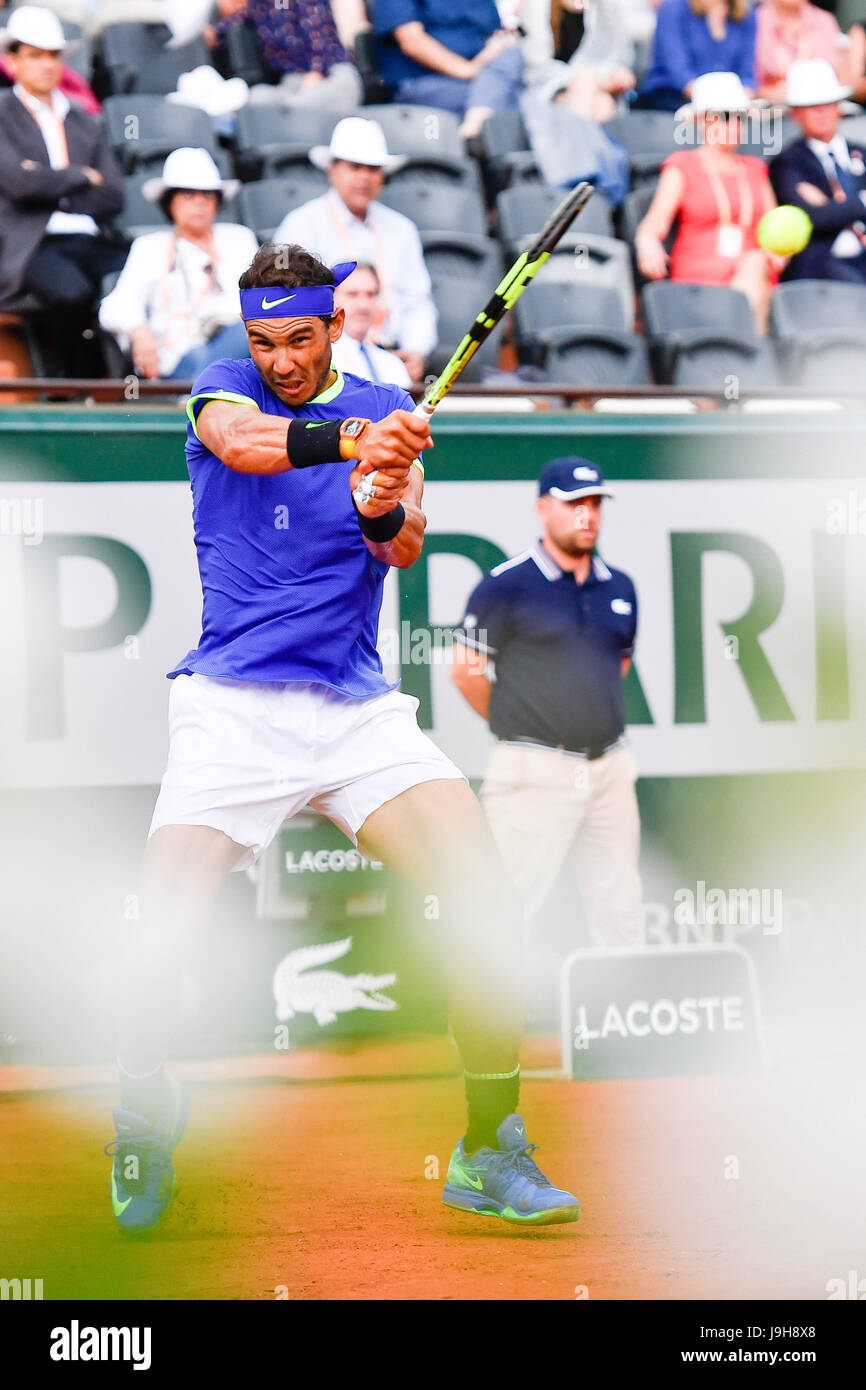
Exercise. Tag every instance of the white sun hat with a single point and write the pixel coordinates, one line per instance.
(33, 25)
(718, 92)
(360, 142)
(812, 82)
(189, 168)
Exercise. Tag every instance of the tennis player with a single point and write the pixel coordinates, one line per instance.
(307, 486)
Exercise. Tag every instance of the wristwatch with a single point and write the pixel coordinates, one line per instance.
(350, 432)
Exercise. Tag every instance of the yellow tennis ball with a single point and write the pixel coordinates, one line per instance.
(784, 230)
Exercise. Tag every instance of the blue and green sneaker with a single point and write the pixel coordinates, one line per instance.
(143, 1182)
(507, 1182)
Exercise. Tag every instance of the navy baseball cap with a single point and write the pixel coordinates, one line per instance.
(569, 478)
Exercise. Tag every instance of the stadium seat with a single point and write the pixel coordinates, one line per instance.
(439, 170)
(270, 140)
(594, 356)
(820, 326)
(581, 331)
(523, 210)
(262, 206)
(144, 128)
(467, 257)
(456, 307)
(648, 139)
(634, 209)
(140, 216)
(243, 55)
(506, 151)
(437, 208)
(595, 260)
(367, 62)
(135, 59)
(854, 130)
(79, 54)
(422, 131)
(701, 334)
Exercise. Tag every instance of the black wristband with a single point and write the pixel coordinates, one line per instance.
(308, 443)
(381, 528)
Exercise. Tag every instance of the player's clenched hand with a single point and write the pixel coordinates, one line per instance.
(389, 485)
(393, 443)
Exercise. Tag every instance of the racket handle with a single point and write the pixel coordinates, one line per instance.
(422, 408)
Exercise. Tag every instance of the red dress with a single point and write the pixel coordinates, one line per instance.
(740, 198)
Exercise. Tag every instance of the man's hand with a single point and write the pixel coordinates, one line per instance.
(144, 351)
(387, 449)
(414, 363)
(390, 487)
(394, 442)
(496, 44)
(93, 175)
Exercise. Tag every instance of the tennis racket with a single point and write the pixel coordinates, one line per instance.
(506, 294)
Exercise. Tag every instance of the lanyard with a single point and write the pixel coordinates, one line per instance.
(182, 318)
(352, 255)
(723, 202)
(33, 107)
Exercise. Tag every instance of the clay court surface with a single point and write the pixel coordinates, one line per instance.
(315, 1183)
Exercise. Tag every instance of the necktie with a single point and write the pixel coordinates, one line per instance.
(846, 179)
(851, 188)
(368, 358)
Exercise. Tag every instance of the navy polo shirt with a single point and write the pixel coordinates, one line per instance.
(464, 26)
(557, 647)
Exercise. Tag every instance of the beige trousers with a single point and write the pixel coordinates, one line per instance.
(544, 806)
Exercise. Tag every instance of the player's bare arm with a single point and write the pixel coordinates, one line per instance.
(250, 441)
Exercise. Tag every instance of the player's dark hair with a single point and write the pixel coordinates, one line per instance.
(285, 267)
(165, 200)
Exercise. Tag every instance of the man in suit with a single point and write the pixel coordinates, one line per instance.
(59, 183)
(825, 176)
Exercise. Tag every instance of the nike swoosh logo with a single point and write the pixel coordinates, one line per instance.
(477, 1183)
(272, 303)
(119, 1207)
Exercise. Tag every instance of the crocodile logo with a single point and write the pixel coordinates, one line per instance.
(301, 987)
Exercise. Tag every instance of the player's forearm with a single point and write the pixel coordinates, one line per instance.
(406, 546)
(247, 441)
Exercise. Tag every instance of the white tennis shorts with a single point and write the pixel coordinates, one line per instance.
(244, 757)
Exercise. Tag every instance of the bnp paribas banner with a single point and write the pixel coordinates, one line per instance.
(751, 653)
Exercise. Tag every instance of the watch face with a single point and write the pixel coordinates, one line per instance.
(353, 427)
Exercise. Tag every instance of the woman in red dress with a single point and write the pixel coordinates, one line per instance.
(718, 197)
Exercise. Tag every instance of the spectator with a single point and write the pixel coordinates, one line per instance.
(694, 37)
(348, 224)
(175, 307)
(718, 197)
(825, 176)
(59, 185)
(354, 351)
(794, 29)
(302, 48)
(595, 65)
(449, 53)
(71, 85)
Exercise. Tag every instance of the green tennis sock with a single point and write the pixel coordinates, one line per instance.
(489, 1098)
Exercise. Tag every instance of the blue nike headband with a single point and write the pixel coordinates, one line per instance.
(301, 302)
